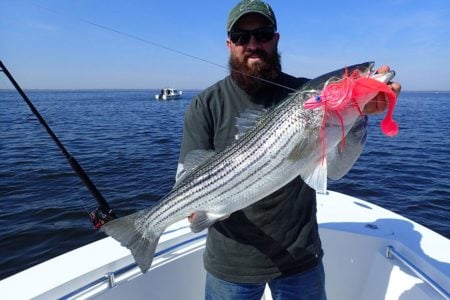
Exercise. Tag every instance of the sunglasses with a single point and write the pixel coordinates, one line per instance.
(242, 37)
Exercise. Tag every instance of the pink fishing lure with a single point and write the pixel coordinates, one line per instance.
(353, 90)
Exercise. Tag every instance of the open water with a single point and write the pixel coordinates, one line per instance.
(128, 144)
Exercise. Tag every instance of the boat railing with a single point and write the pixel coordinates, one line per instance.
(391, 253)
(103, 283)
(111, 279)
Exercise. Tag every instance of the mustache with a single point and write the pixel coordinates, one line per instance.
(261, 53)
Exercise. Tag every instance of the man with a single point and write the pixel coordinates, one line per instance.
(275, 240)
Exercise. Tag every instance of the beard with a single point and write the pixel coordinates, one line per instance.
(249, 77)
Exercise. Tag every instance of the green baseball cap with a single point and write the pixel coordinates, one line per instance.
(250, 6)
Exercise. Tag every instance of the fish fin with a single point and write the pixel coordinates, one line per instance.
(193, 159)
(318, 178)
(203, 219)
(196, 157)
(248, 119)
(130, 233)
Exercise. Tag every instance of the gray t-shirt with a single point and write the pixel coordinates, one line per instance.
(274, 237)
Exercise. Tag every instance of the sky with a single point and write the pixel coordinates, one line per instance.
(145, 44)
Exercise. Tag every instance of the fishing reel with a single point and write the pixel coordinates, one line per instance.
(100, 216)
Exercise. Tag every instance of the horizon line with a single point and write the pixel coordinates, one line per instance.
(156, 89)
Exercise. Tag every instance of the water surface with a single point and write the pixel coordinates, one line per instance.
(128, 143)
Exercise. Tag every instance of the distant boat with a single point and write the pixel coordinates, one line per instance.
(168, 94)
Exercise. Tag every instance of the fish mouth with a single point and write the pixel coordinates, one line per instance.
(368, 69)
(382, 77)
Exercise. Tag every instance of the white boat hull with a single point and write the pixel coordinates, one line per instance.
(169, 94)
(167, 97)
(355, 236)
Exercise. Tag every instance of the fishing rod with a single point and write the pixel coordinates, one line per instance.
(103, 213)
(157, 45)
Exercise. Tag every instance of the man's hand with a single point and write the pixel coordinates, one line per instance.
(379, 104)
(191, 218)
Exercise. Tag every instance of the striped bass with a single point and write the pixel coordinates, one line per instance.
(294, 138)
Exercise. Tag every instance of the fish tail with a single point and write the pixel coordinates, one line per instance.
(131, 234)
